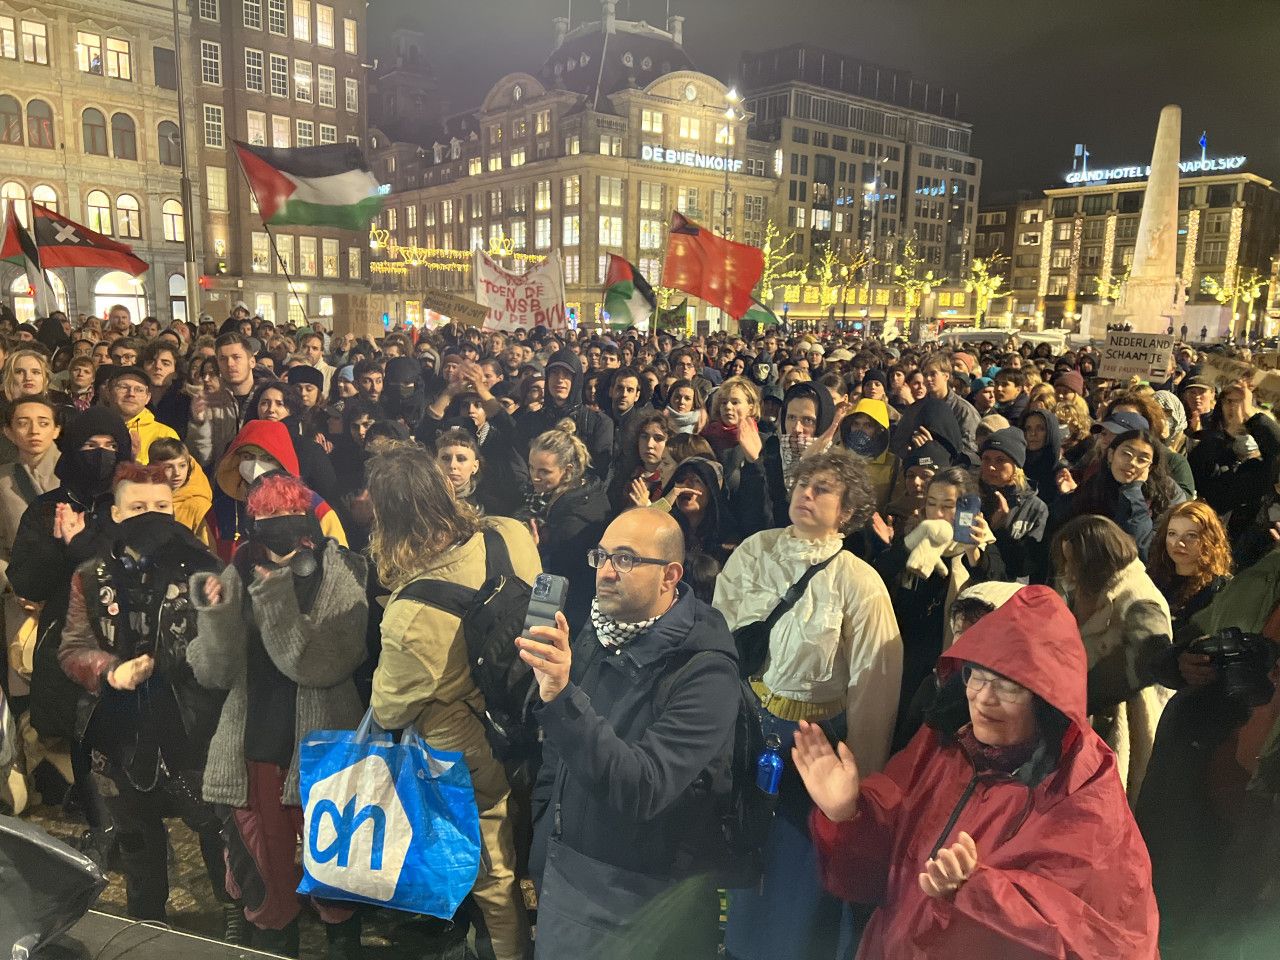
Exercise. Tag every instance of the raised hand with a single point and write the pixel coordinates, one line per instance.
(67, 522)
(1000, 515)
(749, 439)
(551, 659)
(639, 492)
(212, 591)
(1065, 481)
(831, 777)
(947, 872)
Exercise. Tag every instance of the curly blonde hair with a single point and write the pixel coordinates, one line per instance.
(1073, 414)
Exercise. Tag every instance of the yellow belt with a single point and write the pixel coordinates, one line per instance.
(784, 708)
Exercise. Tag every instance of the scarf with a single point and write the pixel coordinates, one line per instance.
(721, 436)
(988, 759)
(793, 448)
(683, 422)
(482, 433)
(614, 633)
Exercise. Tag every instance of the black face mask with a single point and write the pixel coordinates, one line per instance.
(147, 533)
(97, 466)
(283, 535)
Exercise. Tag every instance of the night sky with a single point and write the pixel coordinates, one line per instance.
(1034, 77)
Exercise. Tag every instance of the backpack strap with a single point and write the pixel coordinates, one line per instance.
(796, 591)
(452, 597)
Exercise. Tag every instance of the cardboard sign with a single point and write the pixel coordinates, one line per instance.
(1142, 355)
(1224, 371)
(464, 312)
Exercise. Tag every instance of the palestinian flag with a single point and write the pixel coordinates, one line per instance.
(64, 243)
(761, 315)
(325, 186)
(17, 247)
(628, 298)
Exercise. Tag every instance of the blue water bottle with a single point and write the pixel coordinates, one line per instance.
(769, 766)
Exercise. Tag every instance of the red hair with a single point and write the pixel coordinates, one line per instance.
(279, 494)
(131, 472)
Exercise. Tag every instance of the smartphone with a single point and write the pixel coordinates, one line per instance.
(967, 507)
(549, 595)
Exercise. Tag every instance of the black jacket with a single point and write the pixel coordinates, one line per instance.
(614, 768)
(595, 428)
(573, 525)
(1231, 485)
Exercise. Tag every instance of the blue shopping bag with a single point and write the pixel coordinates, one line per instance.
(387, 823)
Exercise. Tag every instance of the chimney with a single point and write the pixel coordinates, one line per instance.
(562, 29)
(675, 27)
(609, 11)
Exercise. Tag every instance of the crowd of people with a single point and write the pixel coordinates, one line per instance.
(1012, 627)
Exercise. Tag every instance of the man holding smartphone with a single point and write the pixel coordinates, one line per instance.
(618, 753)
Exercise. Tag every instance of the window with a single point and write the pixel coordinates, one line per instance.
(822, 219)
(797, 216)
(277, 18)
(1097, 204)
(495, 162)
(1062, 230)
(251, 14)
(542, 122)
(517, 157)
(168, 144)
(1029, 239)
(725, 133)
(10, 120)
(119, 59)
(1095, 229)
(46, 196)
(650, 196)
(209, 10)
(328, 133)
(307, 265)
(800, 134)
(1217, 222)
(687, 200)
(1091, 257)
(8, 39)
(254, 79)
(569, 189)
(520, 129)
(690, 128)
(327, 82)
(542, 195)
(35, 42)
(570, 233)
(353, 95)
(1126, 228)
(1223, 195)
(18, 193)
(572, 145)
(753, 207)
(477, 237)
(302, 81)
(349, 44)
(651, 234)
(329, 257)
(279, 75)
(520, 199)
(474, 167)
(610, 146)
(353, 263)
(306, 133)
(411, 216)
(98, 208)
(93, 128)
(89, 52)
(40, 125)
(1032, 216)
(495, 203)
(261, 252)
(573, 268)
(1061, 258)
(128, 216)
(210, 62)
(519, 235)
(651, 121)
(302, 20)
(324, 25)
(446, 211)
(610, 191)
(213, 126)
(215, 182)
(1213, 252)
(542, 233)
(284, 252)
(281, 132)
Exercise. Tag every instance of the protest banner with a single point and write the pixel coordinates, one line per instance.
(1142, 355)
(464, 312)
(521, 300)
(1223, 371)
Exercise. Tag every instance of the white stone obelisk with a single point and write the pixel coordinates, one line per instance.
(1152, 299)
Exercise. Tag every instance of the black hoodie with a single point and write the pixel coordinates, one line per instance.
(595, 428)
(779, 497)
(719, 524)
(1042, 465)
(407, 409)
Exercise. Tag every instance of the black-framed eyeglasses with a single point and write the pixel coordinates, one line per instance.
(623, 560)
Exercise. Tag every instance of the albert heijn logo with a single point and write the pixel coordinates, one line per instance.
(359, 834)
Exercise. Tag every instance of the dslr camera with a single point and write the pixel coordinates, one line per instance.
(1243, 661)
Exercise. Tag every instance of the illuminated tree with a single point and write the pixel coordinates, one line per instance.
(1246, 289)
(913, 276)
(778, 251)
(985, 279)
(1109, 289)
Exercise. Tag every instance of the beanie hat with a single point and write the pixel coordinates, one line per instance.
(1072, 380)
(1009, 441)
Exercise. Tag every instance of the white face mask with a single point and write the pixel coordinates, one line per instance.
(251, 470)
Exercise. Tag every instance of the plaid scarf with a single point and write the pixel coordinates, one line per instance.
(614, 633)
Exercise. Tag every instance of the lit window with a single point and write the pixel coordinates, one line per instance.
(690, 128)
(261, 252)
(570, 233)
(98, 207)
(324, 25)
(119, 60)
(35, 42)
(307, 265)
(302, 20)
(570, 189)
(46, 196)
(651, 121)
(610, 231)
(281, 132)
(171, 219)
(329, 257)
(474, 167)
(542, 195)
(8, 39)
(215, 181)
(89, 52)
(128, 216)
(349, 44)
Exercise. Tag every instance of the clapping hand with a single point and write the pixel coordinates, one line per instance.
(67, 522)
(947, 872)
(639, 492)
(132, 673)
(830, 776)
(749, 440)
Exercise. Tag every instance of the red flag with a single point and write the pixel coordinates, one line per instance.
(719, 271)
(65, 243)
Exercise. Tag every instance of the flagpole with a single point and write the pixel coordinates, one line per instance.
(190, 267)
(271, 237)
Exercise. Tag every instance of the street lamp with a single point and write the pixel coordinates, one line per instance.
(733, 113)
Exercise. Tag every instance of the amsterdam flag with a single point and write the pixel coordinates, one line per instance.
(719, 271)
(17, 247)
(628, 298)
(325, 186)
(65, 243)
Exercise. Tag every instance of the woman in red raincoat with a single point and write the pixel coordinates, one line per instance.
(1002, 830)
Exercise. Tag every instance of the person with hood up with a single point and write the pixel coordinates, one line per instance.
(280, 401)
(145, 717)
(1043, 434)
(807, 424)
(695, 496)
(404, 392)
(865, 431)
(1002, 830)
(563, 400)
(936, 373)
(1014, 513)
(60, 530)
(261, 447)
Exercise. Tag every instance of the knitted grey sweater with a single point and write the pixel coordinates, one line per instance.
(319, 652)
